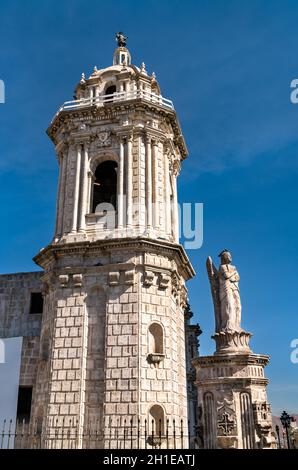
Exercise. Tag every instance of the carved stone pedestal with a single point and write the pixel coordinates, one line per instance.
(231, 395)
(236, 342)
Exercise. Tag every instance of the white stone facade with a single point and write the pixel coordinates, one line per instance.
(233, 407)
(113, 352)
(112, 341)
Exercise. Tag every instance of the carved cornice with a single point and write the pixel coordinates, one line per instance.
(236, 382)
(114, 111)
(231, 359)
(173, 251)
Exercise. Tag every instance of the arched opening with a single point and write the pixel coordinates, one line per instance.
(105, 185)
(156, 421)
(156, 339)
(110, 91)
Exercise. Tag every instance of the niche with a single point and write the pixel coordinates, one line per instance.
(155, 344)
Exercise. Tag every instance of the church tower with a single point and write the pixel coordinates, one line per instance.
(113, 340)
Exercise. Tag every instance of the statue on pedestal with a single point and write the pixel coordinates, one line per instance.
(227, 304)
(121, 39)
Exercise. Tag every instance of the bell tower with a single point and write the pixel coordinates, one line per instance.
(113, 339)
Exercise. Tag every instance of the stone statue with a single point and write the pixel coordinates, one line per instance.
(225, 293)
(121, 39)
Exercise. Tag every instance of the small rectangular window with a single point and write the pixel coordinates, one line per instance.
(24, 404)
(36, 302)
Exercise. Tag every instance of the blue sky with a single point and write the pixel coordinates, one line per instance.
(227, 65)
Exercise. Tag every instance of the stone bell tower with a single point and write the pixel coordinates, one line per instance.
(112, 339)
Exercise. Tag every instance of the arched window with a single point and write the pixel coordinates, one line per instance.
(156, 339)
(110, 91)
(105, 185)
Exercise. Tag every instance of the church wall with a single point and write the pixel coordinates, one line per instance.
(15, 319)
(162, 383)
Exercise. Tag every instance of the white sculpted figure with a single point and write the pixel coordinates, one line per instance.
(225, 293)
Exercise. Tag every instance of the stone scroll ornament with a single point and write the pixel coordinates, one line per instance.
(227, 303)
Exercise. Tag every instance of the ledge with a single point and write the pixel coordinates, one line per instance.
(139, 243)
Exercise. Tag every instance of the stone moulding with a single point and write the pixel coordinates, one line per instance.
(232, 342)
(77, 280)
(155, 358)
(113, 278)
(156, 441)
(129, 277)
(237, 359)
(116, 109)
(174, 251)
(63, 279)
(164, 280)
(148, 278)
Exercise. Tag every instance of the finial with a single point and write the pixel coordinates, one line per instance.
(82, 78)
(153, 77)
(143, 68)
(95, 69)
(121, 39)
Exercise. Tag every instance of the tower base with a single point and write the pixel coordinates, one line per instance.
(233, 407)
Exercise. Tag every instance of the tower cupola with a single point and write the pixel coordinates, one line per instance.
(119, 146)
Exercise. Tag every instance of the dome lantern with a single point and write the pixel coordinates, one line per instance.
(121, 54)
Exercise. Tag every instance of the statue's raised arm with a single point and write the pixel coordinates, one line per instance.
(214, 285)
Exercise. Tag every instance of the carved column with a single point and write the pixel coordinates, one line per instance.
(84, 188)
(120, 183)
(76, 190)
(148, 181)
(167, 196)
(90, 191)
(155, 185)
(175, 205)
(141, 181)
(129, 180)
(59, 207)
(63, 189)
